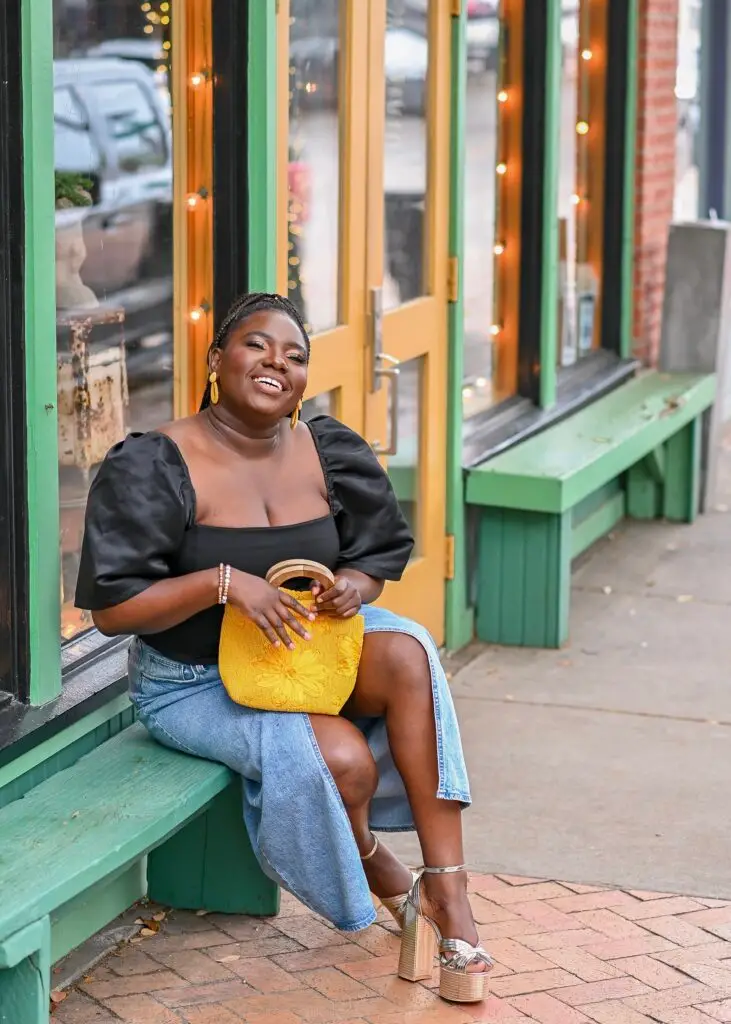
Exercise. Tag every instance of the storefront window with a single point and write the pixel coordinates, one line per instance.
(687, 93)
(579, 198)
(313, 179)
(114, 244)
(491, 207)
(481, 157)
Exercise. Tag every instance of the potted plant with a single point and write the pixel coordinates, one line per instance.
(72, 196)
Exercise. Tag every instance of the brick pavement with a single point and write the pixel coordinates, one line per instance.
(566, 954)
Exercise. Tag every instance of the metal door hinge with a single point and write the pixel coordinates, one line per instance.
(452, 279)
(456, 8)
(449, 557)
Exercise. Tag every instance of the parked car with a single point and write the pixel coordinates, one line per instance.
(112, 127)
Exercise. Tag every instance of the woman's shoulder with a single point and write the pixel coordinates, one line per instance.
(142, 448)
(333, 437)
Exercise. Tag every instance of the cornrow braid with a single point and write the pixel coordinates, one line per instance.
(243, 308)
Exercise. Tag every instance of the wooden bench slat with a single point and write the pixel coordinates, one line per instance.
(557, 468)
(112, 806)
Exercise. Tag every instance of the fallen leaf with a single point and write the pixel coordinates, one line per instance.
(159, 916)
(57, 996)
(147, 932)
(75, 814)
(684, 598)
(201, 913)
(229, 959)
(135, 939)
(606, 590)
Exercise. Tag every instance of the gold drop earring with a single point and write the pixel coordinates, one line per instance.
(213, 381)
(295, 417)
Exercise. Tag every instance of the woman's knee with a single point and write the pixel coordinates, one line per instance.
(403, 661)
(348, 758)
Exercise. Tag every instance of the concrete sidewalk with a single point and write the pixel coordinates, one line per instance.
(610, 761)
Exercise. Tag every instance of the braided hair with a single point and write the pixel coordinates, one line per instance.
(243, 308)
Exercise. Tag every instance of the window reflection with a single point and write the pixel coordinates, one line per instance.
(314, 161)
(114, 245)
(481, 156)
(688, 92)
(404, 466)
(406, 63)
(578, 282)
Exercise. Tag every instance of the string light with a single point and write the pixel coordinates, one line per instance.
(495, 330)
(199, 77)
(586, 54)
(498, 248)
(576, 198)
(194, 199)
(198, 312)
(501, 167)
(502, 96)
(582, 127)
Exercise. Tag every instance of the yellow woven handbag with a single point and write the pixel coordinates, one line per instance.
(317, 677)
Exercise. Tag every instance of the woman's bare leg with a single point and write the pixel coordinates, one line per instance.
(346, 753)
(394, 681)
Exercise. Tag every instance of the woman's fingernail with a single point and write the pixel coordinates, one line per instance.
(308, 636)
(277, 643)
(312, 616)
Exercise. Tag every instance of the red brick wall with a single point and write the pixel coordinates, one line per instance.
(655, 182)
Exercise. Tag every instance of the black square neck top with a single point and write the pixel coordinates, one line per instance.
(141, 527)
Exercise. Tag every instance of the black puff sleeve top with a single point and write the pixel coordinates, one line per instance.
(140, 528)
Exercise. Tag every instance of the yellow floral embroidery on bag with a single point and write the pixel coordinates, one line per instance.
(318, 676)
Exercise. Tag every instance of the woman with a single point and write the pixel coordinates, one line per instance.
(244, 484)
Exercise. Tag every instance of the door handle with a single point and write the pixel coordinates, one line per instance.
(390, 373)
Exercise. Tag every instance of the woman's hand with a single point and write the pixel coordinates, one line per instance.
(343, 599)
(269, 608)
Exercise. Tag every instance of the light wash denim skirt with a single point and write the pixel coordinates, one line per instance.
(295, 818)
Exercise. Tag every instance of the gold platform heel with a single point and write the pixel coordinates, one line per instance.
(395, 905)
(421, 941)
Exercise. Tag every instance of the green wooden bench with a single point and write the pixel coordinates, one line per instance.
(129, 818)
(634, 452)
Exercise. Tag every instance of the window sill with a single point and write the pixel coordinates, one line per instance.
(517, 419)
(97, 674)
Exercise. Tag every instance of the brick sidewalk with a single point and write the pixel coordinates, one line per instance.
(566, 954)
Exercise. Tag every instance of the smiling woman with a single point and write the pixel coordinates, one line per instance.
(185, 520)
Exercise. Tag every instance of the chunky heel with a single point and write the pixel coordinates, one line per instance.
(419, 942)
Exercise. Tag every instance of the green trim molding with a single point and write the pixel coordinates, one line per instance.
(459, 616)
(40, 331)
(262, 142)
(550, 248)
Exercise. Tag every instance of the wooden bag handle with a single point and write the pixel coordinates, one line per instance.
(299, 568)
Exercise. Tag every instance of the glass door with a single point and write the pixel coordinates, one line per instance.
(363, 242)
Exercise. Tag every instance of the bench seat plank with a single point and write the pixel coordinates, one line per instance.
(561, 466)
(111, 807)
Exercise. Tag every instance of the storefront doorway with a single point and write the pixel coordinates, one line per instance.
(363, 120)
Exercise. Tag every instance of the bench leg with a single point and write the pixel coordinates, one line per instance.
(682, 473)
(25, 988)
(209, 865)
(524, 568)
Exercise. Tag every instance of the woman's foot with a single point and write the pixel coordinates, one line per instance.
(444, 899)
(386, 875)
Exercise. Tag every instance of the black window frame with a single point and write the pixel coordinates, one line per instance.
(14, 621)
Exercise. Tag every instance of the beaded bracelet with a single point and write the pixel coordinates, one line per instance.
(224, 582)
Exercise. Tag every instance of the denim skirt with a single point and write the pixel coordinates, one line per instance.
(293, 813)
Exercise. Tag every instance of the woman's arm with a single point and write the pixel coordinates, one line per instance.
(169, 602)
(161, 606)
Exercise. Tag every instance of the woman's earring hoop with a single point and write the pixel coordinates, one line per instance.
(295, 417)
(213, 381)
